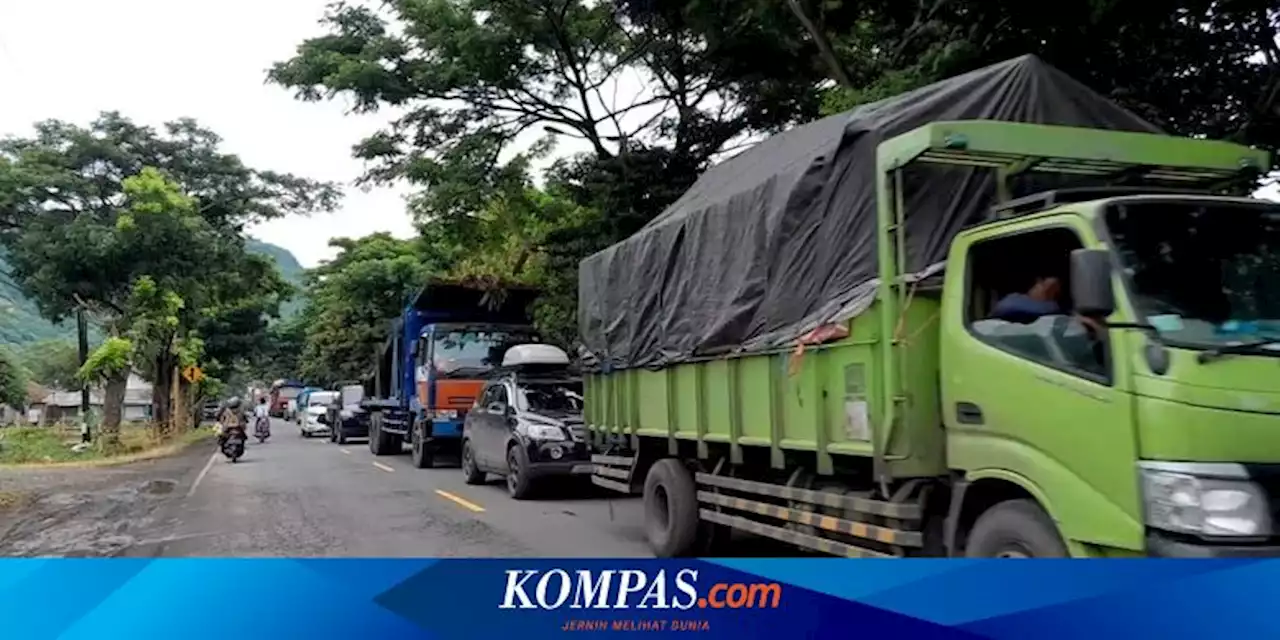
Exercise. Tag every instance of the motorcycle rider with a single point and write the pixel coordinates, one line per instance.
(261, 414)
(231, 418)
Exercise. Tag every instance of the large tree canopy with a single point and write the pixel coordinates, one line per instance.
(353, 300)
(470, 76)
(1193, 67)
(143, 229)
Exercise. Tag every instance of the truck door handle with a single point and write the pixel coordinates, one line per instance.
(968, 413)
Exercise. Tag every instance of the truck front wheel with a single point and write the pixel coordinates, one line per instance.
(670, 509)
(423, 452)
(1015, 529)
(381, 443)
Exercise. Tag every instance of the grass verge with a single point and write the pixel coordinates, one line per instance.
(52, 446)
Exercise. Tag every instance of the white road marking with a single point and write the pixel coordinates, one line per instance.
(203, 472)
(384, 467)
(466, 504)
(345, 451)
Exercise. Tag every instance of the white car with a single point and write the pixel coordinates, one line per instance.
(317, 407)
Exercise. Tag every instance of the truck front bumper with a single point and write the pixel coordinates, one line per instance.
(1162, 546)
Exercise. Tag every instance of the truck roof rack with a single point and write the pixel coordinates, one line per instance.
(1104, 155)
(1037, 202)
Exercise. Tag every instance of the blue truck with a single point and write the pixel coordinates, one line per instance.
(434, 363)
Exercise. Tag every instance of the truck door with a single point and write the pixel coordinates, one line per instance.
(422, 374)
(1036, 399)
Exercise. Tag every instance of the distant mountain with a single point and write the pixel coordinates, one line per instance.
(289, 268)
(21, 323)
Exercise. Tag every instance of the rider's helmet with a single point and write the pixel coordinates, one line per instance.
(233, 403)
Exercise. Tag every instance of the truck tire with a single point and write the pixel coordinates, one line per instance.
(1015, 529)
(381, 443)
(670, 509)
(422, 454)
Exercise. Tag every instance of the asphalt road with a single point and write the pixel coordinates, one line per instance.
(307, 497)
(295, 496)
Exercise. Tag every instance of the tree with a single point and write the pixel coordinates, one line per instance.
(353, 300)
(1216, 71)
(78, 237)
(472, 76)
(110, 365)
(13, 383)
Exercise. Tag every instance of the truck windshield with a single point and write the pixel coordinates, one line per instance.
(1205, 275)
(464, 352)
(289, 393)
(554, 397)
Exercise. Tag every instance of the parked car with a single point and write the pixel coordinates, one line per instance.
(299, 403)
(313, 418)
(527, 423)
(346, 418)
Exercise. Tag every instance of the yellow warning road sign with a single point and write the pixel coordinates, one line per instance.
(193, 374)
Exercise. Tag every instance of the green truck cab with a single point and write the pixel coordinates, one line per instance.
(1140, 419)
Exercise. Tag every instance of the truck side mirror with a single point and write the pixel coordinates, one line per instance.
(1091, 283)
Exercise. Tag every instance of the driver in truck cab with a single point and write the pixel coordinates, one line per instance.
(1038, 301)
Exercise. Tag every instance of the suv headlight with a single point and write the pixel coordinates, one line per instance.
(1206, 499)
(545, 432)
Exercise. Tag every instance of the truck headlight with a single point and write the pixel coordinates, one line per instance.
(1209, 499)
(545, 432)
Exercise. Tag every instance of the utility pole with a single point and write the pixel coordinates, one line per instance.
(82, 327)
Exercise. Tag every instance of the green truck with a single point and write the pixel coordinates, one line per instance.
(1141, 418)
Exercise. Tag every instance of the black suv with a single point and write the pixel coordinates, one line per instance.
(527, 425)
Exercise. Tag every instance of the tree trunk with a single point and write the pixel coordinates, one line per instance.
(112, 412)
(181, 408)
(161, 392)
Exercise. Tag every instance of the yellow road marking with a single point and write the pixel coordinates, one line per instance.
(384, 467)
(466, 504)
(345, 451)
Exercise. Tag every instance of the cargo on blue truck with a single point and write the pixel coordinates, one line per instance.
(448, 338)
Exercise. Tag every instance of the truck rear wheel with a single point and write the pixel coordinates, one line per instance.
(670, 509)
(1015, 529)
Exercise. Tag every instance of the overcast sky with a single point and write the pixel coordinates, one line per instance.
(157, 60)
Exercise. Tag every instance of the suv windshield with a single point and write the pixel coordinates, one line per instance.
(1203, 274)
(472, 352)
(554, 397)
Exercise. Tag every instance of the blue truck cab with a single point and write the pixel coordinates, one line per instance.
(433, 365)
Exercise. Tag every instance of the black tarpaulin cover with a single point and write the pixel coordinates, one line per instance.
(782, 238)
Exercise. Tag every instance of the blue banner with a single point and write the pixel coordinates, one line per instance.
(526, 599)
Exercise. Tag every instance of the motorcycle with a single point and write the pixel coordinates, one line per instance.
(262, 429)
(233, 445)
